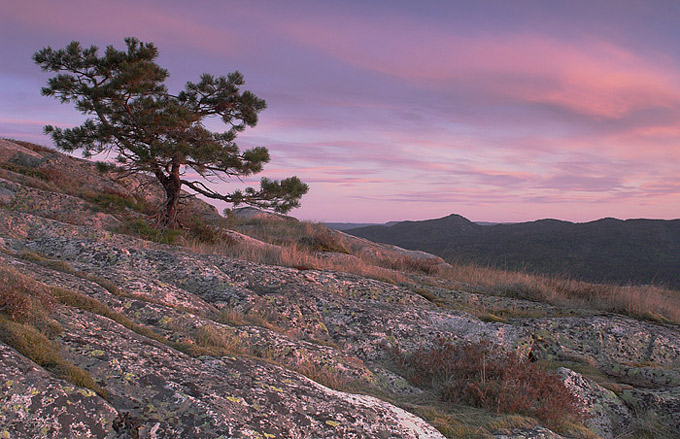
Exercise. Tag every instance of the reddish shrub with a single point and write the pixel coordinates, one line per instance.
(14, 303)
(484, 375)
(21, 298)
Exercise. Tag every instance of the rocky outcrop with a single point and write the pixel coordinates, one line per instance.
(195, 344)
(33, 403)
(607, 414)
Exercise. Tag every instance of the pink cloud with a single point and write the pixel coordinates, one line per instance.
(112, 21)
(385, 116)
(590, 76)
(31, 123)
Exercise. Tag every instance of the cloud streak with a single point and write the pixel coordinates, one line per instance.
(391, 112)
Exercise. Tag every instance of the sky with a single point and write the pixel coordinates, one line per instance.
(498, 111)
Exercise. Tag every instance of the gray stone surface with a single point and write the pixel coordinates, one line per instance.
(277, 324)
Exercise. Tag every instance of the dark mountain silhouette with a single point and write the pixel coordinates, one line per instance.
(638, 251)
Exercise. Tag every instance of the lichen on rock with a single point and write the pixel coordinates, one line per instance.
(197, 344)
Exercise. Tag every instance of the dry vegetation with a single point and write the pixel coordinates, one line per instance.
(476, 375)
(296, 250)
(287, 232)
(643, 302)
(26, 326)
(306, 245)
(292, 249)
(484, 375)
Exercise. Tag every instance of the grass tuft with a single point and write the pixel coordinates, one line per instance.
(24, 300)
(86, 303)
(33, 344)
(112, 201)
(217, 341)
(650, 425)
(140, 227)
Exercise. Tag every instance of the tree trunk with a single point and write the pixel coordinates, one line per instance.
(172, 185)
(170, 206)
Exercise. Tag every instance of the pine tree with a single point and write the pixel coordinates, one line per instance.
(154, 132)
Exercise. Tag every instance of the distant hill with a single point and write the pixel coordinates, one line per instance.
(639, 251)
(348, 226)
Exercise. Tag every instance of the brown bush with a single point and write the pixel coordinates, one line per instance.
(21, 298)
(62, 179)
(416, 265)
(484, 375)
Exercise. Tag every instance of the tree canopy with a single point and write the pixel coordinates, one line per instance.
(154, 132)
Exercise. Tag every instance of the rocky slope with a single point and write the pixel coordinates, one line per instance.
(186, 343)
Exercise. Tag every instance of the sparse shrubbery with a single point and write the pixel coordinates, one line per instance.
(21, 298)
(104, 167)
(113, 200)
(26, 326)
(195, 233)
(484, 375)
(143, 229)
(289, 232)
(200, 231)
(23, 170)
(63, 180)
(289, 252)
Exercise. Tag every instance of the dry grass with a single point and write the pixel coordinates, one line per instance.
(405, 263)
(323, 375)
(469, 423)
(297, 257)
(263, 318)
(22, 299)
(650, 425)
(464, 422)
(32, 146)
(306, 235)
(643, 302)
(90, 304)
(55, 264)
(217, 341)
(452, 425)
(26, 326)
(33, 344)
